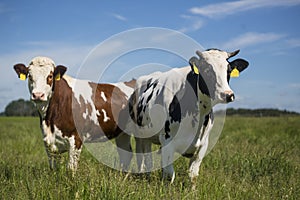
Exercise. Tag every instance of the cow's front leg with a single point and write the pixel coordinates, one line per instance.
(196, 161)
(124, 150)
(74, 154)
(54, 157)
(51, 159)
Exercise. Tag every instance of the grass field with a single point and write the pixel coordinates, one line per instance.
(255, 158)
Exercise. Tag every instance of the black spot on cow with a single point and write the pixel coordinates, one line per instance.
(155, 84)
(139, 120)
(207, 117)
(192, 80)
(167, 129)
(131, 102)
(148, 85)
(206, 120)
(150, 96)
(139, 114)
(174, 110)
(187, 104)
(206, 78)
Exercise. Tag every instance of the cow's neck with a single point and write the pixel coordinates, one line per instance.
(56, 101)
(203, 101)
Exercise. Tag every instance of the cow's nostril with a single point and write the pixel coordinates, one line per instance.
(230, 98)
(38, 96)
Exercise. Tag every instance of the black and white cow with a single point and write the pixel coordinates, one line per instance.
(73, 111)
(174, 109)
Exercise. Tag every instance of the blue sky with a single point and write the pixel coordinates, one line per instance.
(266, 31)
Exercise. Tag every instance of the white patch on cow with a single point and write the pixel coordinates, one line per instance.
(103, 96)
(55, 142)
(38, 71)
(98, 113)
(74, 154)
(105, 117)
(85, 114)
(83, 90)
(87, 136)
(124, 88)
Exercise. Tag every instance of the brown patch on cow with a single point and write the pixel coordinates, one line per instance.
(130, 83)
(59, 112)
(115, 102)
(50, 79)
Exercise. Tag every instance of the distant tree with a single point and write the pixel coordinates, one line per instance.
(263, 112)
(20, 108)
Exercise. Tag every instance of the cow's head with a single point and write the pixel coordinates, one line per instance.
(214, 71)
(42, 74)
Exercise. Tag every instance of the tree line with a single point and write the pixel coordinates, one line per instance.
(23, 107)
(262, 112)
(20, 107)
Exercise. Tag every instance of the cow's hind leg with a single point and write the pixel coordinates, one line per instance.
(144, 155)
(167, 156)
(124, 150)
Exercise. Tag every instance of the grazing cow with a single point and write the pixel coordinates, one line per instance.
(73, 111)
(174, 109)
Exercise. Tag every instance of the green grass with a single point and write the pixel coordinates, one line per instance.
(255, 158)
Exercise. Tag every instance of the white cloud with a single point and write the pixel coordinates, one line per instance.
(195, 24)
(294, 86)
(119, 17)
(228, 8)
(250, 39)
(293, 43)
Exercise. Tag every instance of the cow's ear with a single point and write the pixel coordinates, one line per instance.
(59, 72)
(194, 64)
(238, 66)
(21, 70)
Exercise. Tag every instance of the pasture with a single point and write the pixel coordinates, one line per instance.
(255, 158)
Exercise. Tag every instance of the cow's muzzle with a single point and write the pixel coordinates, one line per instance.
(38, 96)
(228, 96)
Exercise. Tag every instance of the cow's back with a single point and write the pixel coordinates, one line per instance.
(153, 96)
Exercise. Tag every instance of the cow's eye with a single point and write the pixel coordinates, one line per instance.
(50, 77)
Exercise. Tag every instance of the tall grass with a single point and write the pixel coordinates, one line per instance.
(255, 158)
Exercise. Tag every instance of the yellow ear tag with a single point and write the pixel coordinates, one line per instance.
(196, 70)
(22, 77)
(235, 73)
(57, 77)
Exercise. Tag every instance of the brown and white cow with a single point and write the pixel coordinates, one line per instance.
(73, 111)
